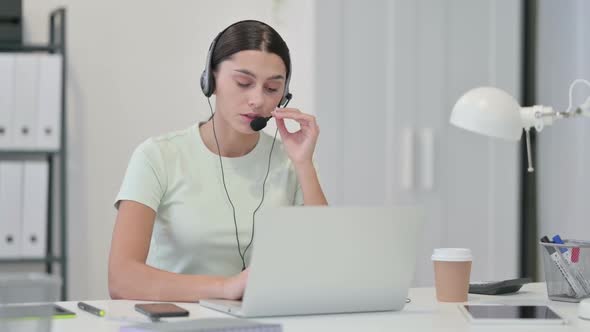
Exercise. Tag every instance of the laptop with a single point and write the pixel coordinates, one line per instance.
(324, 260)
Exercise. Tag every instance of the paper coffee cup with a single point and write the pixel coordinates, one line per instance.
(452, 269)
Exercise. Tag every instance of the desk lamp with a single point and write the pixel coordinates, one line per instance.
(493, 112)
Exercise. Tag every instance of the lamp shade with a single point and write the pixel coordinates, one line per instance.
(488, 111)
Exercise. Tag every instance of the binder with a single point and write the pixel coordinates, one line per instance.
(25, 100)
(6, 99)
(10, 208)
(34, 209)
(49, 107)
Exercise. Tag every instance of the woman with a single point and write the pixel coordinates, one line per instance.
(186, 208)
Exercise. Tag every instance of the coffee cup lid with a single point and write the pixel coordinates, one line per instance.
(452, 255)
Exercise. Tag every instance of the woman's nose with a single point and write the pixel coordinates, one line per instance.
(256, 99)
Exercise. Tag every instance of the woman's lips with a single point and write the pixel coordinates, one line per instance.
(247, 118)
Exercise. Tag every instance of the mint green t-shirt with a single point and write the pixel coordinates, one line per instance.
(180, 179)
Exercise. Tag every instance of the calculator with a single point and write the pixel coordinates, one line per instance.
(497, 287)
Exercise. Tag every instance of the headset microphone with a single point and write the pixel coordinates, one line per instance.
(259, 123)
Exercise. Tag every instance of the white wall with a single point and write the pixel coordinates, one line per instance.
(134, 69)
(563, 157)
(388, 68)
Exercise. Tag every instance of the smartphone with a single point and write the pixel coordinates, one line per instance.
(158, 310)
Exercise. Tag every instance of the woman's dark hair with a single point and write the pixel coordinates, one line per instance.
(250, 35)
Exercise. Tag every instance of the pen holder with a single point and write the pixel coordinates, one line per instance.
(567, 270)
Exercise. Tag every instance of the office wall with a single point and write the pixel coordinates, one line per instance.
(563, 157)
(134, 69)
(391, 73)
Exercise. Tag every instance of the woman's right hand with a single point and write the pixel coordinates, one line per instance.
(233, 287)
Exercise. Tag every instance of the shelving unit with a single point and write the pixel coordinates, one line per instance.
(57, 44)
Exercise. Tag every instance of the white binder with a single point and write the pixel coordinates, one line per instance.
(25, 100)
(34, 212)
(10, 208)
(49, 109)
(6, 99)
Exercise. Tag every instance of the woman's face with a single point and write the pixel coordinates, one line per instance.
(249, 84)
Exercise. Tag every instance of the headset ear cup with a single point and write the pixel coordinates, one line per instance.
(204, 85)
(207, 83)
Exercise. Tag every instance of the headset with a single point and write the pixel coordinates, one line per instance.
(257, 124)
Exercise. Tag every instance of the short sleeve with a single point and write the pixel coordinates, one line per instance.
(145, 178)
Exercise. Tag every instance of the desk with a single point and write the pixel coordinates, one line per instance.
(424, 313)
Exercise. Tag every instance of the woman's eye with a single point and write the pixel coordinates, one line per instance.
(243, 85)
(272, 90)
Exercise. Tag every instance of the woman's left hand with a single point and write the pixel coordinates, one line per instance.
(299, 145)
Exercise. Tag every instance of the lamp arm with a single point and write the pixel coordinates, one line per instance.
(582, 110)
(540, 116)
(530, 169)
(571, 90)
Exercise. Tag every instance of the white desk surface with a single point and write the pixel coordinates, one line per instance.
(424, 313)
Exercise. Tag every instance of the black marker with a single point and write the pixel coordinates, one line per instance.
(91, 309)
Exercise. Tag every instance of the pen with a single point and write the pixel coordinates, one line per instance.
(566, 254)
(93, 310)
